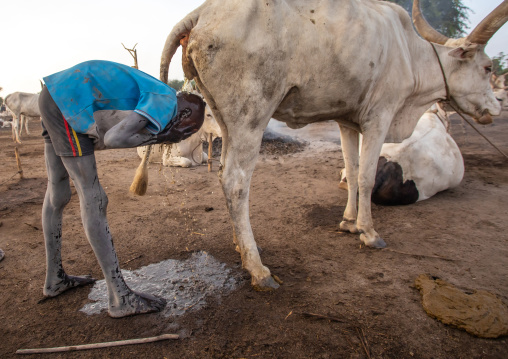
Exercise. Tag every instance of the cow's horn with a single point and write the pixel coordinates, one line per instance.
(423, 27)
(488, 27)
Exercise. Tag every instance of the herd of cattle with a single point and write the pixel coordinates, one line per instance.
(343, 68)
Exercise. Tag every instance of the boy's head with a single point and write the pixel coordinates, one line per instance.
(189, 118)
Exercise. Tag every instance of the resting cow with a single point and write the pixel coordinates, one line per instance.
(189, 152)
(422, 165)
(500, 90)
(272, 58)
(22, 105)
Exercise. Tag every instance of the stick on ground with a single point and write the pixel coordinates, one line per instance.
(419, 255)
(320, 316)
(98, 345)
(210, 145)
(18, 162)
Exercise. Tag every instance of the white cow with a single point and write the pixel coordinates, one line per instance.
(257, 59)
(22, 105)
(187, 153)
(500, 89)
(422, 165)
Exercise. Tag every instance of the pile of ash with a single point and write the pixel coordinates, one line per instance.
(273, 143)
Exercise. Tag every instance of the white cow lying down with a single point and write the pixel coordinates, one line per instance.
(424, 164)
(189, 152)
(500, 90)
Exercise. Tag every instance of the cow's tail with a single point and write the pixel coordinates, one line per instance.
(179, 35)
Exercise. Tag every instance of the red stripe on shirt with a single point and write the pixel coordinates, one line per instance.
(69, 136)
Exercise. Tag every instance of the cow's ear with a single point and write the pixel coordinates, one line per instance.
(463, 52)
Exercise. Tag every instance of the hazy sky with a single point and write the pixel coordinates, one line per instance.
(39, 38)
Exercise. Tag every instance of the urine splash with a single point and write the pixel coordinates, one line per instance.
(184, 284)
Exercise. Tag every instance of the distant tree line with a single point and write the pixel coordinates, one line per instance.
(500, 64)
(176, 84)
(449, 17)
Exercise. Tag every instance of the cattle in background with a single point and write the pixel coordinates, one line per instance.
(22, 105)
(500, 89)
(422, 165)
(272, 59)
(189, 152)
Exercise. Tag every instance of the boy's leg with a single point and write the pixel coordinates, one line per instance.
(58, 194)
(93, 201)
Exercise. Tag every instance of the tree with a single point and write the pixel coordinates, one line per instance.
(449, 17)
(176, 84)
(499, 64)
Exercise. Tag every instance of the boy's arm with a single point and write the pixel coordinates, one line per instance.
(125, 134)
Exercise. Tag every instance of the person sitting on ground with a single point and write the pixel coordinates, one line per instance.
(102, 105)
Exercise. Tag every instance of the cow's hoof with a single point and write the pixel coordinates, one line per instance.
(267, 284)
(343, 184)
(2, 255)
(374, 241)
(348, 226)
(137, 303)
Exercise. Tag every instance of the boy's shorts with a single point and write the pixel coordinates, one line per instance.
(57, 131)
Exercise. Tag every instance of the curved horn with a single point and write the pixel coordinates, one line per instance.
(492, 22)
(424, 28)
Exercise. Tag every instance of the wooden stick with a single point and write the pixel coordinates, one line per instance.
(419, 255)
(18, 161)
(320, 316)
(140, 183)
(363, 340)
(98, 345)
(132, 259)
(210, 152)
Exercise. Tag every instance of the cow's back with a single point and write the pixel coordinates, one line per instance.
(309, 56)
(23, 103)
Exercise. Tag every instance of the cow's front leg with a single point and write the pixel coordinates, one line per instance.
(349, 143)
(373, 139)
(242, 151)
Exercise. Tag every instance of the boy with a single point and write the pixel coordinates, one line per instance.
(102, 105)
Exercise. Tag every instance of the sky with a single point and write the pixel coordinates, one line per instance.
(53, 35)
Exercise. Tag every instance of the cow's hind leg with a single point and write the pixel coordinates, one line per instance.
(241, 155)
(25, 120)
(58, 194)
(349, 143)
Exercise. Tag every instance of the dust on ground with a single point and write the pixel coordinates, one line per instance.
(295, 210)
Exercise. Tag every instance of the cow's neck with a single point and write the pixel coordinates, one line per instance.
(429, 80)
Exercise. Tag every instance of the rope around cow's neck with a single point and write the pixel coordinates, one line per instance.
(449, 101)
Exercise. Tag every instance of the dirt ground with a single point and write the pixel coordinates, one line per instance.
(296, 207)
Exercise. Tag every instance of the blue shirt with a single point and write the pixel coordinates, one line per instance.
(104, 85)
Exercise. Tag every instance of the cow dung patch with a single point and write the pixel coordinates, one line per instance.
(184, 284)
(479, 313)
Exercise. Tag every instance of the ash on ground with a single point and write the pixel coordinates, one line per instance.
(184, 284)
(273, 143)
